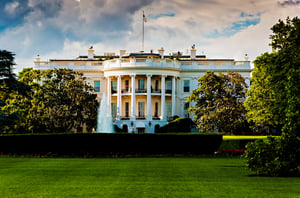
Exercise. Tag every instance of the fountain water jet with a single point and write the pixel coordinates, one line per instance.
(104, 118)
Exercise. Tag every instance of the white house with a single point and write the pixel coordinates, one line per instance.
(146, 89)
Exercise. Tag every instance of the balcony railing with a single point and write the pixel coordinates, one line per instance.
(140, 90)
(155, 118)
(126, 90)
(156, 90)
(168, 91)
(140, 118)
(124, 118)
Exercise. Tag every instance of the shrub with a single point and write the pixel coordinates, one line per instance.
(278, 156)
(178, 125)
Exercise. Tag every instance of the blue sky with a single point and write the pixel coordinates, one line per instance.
(66, 28)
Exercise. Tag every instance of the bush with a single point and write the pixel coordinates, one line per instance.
(278, 156)
(179, 125)
(103, 143)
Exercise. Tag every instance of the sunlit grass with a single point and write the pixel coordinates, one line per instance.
(138, 177)
(243, 137)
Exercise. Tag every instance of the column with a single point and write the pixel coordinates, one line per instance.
(132, 97)
(109, 94)
(149, 117)
(163, 97)
(173, 96)
(119, 101)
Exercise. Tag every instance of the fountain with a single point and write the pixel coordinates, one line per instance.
(104, 119)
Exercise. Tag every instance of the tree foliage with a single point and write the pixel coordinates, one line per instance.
(260, 97)
(218, 102)
(9, 86)
(60, 101)
(280, 73)
(274, 96)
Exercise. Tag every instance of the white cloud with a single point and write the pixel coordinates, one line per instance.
(67, 29)
(10, 8)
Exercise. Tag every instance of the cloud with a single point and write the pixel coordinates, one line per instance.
(60, 28)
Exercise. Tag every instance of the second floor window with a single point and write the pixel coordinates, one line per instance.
(114, 86)
(186, 86)
(141, 84)
(97, 86)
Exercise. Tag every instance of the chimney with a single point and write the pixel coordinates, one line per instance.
(161, 52)
(193, 52)
(246, 57)
(122, 52)
(91, 53)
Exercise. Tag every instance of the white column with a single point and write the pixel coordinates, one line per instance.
(149, 117)
(109, 94)
(163, 97)
(132, 97)
(173, 96)
(119, 109)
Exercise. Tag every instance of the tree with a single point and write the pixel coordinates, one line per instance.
(218, 102)
(60, 101)
(260, 97)
(282, 74)
(9, 86)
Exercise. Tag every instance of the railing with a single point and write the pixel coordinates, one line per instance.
(113, 91)
(156, 90)
(125, 118)
(168, 91)
(140, 118)
(140, 90)
(155, 118)
(126, 90)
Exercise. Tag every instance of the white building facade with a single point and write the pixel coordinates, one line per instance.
(145, 90)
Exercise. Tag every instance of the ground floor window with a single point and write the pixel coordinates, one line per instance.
(114, 110)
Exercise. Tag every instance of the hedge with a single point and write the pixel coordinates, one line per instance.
(97, 143)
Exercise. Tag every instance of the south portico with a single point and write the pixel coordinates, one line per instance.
(141, 100)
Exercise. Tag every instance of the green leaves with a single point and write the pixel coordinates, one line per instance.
(60, 101)
(218, 102)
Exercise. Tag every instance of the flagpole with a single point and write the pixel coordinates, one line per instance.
(143, 32)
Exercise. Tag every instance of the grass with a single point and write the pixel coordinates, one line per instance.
(138, 177)
(243, 137)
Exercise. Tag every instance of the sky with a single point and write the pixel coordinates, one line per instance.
(57, 29)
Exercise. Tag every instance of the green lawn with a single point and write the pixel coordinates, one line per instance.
(138, 177)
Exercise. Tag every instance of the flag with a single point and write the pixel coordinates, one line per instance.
(144, 17)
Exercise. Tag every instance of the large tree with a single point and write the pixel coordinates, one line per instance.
(280, 73)
(217, 104)
(9, 86)
(61, 100)
(274, 96)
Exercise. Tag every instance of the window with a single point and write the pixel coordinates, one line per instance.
(141, 84)
(156, 110)
(113, 86)
(156, 84)
(97, 86)
(186, 86)
(113, 110)
(126, 109)
(127, 85)
(168, 109)
(169, 86)
(141, 106)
